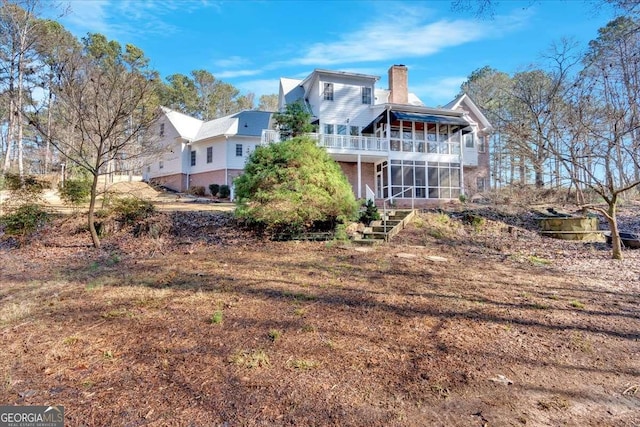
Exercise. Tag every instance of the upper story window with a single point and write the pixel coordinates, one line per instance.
(366, 95)
(161, 129)
(209, 154)
(238, 150)
(342, 129)
(193, 158)
(354, 130)
(328, 92)
(482, 146)
(328, 129)
(468, 140)
(161, 165)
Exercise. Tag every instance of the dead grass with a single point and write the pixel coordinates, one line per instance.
(314, 334)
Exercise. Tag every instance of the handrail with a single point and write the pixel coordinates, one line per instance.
(384, 203)
(370, 194)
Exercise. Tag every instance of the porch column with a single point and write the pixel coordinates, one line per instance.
(359, 177)
(462, 148)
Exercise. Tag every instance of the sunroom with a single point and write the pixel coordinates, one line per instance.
(425, 154)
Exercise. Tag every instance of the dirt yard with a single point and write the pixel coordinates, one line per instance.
(454, 323)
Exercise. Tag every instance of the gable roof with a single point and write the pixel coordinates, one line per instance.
(465, 99)
(186, 126)
(244, 123)
(291, 91)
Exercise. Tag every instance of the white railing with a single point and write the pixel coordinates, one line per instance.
(370, 194)
(371, 143)
(269, 136)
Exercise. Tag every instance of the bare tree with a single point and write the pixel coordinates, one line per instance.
(268, 102)
(604, 120)
(19, 27)
(105, 104)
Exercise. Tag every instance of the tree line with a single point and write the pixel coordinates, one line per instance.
(88, 103)
(36, 55)
(572, 122)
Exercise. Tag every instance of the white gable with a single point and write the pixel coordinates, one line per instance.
(186, 126)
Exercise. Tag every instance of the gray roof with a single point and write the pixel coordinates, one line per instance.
(252, 123)
(244, 123)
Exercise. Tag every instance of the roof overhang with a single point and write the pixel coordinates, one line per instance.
(429, 118)
(455, 119)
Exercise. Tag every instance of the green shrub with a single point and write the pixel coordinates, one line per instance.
(291, 186)
(214, 189)
(225, 191)
(26, 191)
(24, 220)
(197, 190)
(75, 191)
(131, 209)
(369, 212)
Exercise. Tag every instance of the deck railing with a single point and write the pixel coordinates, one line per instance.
(371, 143)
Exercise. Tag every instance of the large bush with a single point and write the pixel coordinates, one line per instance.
(24, 220)
(292, 186)
(75, 191)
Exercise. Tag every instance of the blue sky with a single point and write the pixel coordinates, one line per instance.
(251, 44)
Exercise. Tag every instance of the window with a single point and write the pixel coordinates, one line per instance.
(482, 147)
(354, 130)
(161, 129)
(342, 129)
(328, 129)
(209, 154)
(238, 150)
(468, 140)
(480, 184)
(161, 164)
(148, 169)
(193, 158)
(328, 92)
(366, 95)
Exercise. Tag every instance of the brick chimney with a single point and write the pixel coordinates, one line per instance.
(399, 84)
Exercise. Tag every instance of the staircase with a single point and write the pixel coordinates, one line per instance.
(384, 229)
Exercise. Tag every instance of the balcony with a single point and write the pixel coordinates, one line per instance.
(371, 144)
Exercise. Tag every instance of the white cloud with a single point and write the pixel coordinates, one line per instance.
(230, 74)
(124, 19)
(405, 35)
(232, 62)
(88, 16)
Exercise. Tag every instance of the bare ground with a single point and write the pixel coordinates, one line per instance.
(452, 324)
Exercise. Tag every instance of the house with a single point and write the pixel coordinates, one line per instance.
(390, 146)
(198, 153)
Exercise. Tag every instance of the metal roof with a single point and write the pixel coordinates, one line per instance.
(429, 118)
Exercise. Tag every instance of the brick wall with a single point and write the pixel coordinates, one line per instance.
(176, 182)
(368, 176)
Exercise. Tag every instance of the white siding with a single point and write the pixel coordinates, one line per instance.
(171, 151)
(219, 155)
(347, 107)
(248, 145)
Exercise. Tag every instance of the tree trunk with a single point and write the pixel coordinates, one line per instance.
(92, 208)
(19, 120)
(539, 175)
(47, 152)
(10, 133)
(616, 246)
